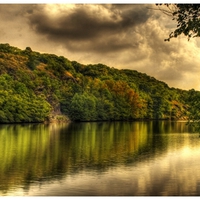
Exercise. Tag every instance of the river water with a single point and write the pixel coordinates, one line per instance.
(154, 158)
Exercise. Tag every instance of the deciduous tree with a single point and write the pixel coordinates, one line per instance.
(187, 17)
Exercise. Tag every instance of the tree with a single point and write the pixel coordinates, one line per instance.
(83, 107)
(194, 113)
(187, 17)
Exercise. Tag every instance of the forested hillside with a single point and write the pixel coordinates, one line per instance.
(36, 87)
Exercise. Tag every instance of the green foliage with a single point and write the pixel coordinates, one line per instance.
(32, 62)
(187, 18)
(17, 105)
(83, 107)
(6, 48)
(35, 87)
(194, 109)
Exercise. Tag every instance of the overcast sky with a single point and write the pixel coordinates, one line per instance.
(121, 36)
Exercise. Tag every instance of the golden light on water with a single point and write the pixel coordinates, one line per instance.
(96, 159)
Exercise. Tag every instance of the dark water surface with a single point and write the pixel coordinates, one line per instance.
(110, 158)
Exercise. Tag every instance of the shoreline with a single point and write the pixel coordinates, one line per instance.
(53, 121)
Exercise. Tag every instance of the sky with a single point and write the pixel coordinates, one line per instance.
(123, 36)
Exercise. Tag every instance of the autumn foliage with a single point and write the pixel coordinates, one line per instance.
(37, 87)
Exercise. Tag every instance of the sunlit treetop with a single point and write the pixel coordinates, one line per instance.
(187, 17)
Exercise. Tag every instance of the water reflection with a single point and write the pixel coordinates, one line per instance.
(110, 158)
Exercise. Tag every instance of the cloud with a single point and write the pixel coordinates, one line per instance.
(96, 28)
(13, 24)
(118, 35)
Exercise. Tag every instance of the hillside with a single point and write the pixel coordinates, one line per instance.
(36, 87)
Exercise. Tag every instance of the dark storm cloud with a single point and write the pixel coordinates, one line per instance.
(100, 29)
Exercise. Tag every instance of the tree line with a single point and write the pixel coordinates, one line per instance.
(37, 87)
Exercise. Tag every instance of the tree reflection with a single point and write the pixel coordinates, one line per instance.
(38, 153)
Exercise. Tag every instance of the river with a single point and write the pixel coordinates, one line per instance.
(154, 158)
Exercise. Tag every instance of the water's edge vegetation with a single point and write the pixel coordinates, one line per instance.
(40, 87)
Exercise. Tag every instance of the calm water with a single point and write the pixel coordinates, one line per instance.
(82, 159)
